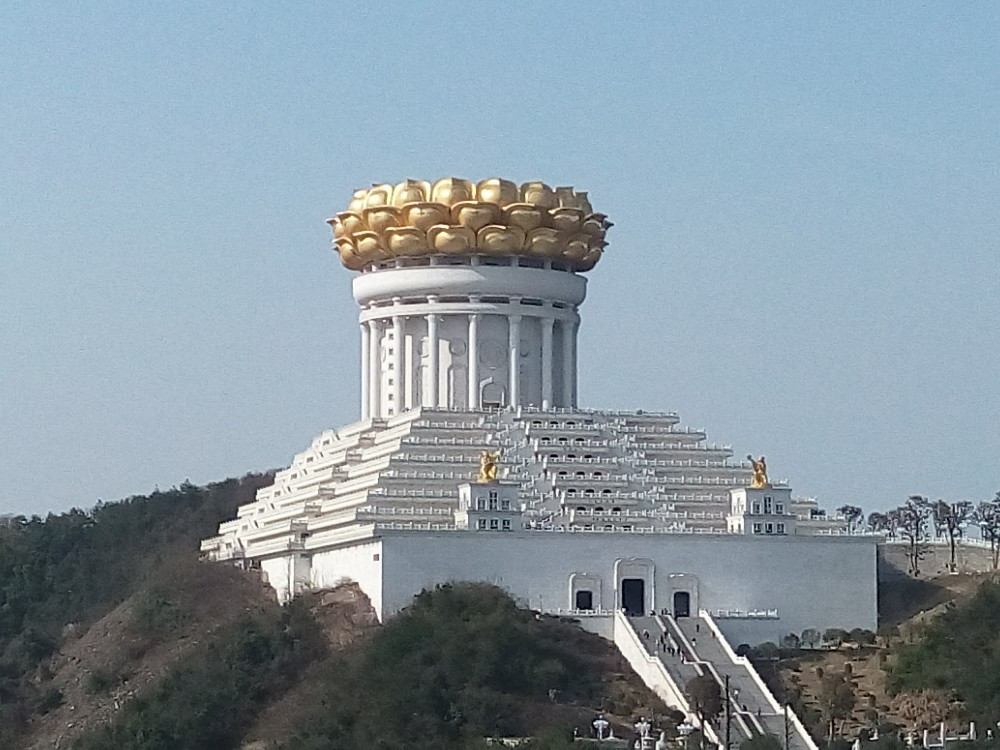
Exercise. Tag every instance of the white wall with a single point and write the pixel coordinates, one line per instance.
(817, 582)
(360, 563)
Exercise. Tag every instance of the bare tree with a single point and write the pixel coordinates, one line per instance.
(880, 522)
(950, 520)
(910, 521)
(988, 519)
(853, 517)
(706, 700)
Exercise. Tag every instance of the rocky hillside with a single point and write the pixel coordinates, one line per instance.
(114, 635)
(933, 661)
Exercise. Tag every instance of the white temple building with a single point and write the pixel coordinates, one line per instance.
(470, 298)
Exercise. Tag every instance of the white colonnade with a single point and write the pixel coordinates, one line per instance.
(467, 333)
(446, 339)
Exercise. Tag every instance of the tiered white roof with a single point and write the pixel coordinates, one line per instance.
(577, 470)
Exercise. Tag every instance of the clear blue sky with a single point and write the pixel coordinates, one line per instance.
(804, 260)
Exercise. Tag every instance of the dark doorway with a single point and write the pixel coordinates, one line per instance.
(634, 596)
(585, 600)
(682, 604)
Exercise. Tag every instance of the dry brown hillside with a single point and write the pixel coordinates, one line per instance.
(906, 603)
(128, 649)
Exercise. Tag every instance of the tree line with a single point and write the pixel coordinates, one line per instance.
(920, 520)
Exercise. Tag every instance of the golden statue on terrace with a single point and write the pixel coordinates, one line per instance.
(760, 480)
(488, 467)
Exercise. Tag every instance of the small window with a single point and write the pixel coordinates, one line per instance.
(390, 381)
(480, 503)
(756, 508)
(585, 600)
(781, 528)
(506, 524)
(505, 504)
(493, 494)
(598, 474)
(494, 524)
(494, 503)
(779, 508)
(769, 528)
(756, 528)
(481, 523)
(581, 475)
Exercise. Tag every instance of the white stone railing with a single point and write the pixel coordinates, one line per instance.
(411, 510)
(744, 614)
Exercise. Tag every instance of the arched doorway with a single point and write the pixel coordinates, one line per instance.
(634, 596)
(682, 604)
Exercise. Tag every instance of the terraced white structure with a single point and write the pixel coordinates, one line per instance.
(470, 299)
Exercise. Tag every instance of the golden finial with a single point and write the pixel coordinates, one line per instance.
(760, 480)
(488, 467)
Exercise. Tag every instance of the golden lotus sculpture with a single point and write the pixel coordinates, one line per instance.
(453, 217)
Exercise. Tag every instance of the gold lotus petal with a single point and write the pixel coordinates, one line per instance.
(567, 198)
(539, 194)
(594, 226)
(369, 245)
(351, 222)
(474, 214)
(545, 242)
(381, 218)
(348, 255)
(526, 216)
(567, 219)
(498, 191)
(452, 190)
(583, 202)
(406, 241)
(379, 195)
(338, 228)
(357, 204)
(577, 247)
(410, 191)
(423, 216)
(590, 259)
(448, 239)
(500, 240)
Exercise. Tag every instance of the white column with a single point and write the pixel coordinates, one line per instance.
(432, 363)
(374, 371)
(397, 364)
(365, 398)
(547, 324)
(514, 352)
(569, 359)
(473, 399)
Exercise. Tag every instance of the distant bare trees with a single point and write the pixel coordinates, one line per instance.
(950, 520)
(910, 522)
(988, 519)
(853, 516)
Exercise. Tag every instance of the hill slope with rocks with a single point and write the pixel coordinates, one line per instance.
(113, 634)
